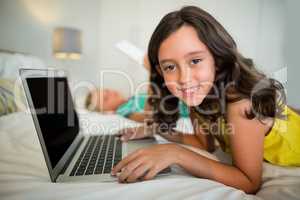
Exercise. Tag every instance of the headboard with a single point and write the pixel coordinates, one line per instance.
(12, 61)
(12, 52)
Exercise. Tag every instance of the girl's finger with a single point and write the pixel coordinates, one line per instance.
(151, 173)
(125, 161)
(129, 169)
(139, 172)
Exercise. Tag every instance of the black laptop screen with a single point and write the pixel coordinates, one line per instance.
(55, 112)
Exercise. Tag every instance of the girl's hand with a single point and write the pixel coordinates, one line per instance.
(145, 163)
(135, 133)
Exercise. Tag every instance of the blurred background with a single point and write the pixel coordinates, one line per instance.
(265, 30)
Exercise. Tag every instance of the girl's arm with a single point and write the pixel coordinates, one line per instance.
(175, 136)
(246, 141)
(198, 139)
(247, 151)
(183, 138)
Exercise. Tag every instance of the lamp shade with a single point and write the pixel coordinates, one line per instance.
(67, 43)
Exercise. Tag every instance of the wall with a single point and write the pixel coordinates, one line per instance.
(258, 26)
(291, 52)
(27, 26)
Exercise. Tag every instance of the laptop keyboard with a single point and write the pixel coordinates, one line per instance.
(99, 155)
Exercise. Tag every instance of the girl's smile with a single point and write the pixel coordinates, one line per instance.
(189, 92)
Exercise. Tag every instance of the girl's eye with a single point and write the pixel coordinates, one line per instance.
(195, 61)
(169, 68)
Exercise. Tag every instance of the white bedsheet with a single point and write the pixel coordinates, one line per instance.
(23, 172)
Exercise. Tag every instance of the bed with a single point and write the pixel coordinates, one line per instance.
(24, 175)
(23, 172)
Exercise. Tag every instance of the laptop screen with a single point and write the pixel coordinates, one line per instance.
(55, 112)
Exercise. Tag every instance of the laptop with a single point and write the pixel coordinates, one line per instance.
(70, 155)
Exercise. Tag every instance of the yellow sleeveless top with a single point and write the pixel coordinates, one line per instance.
(281, 144)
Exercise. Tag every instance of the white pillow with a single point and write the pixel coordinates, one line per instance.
(11, 63)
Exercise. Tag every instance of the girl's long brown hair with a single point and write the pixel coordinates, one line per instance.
(233, 71)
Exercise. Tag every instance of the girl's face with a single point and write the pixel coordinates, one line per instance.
(187, 66)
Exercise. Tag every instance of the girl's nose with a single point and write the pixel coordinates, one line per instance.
(185, 76)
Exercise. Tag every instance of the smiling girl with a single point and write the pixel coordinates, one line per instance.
(194, 59)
